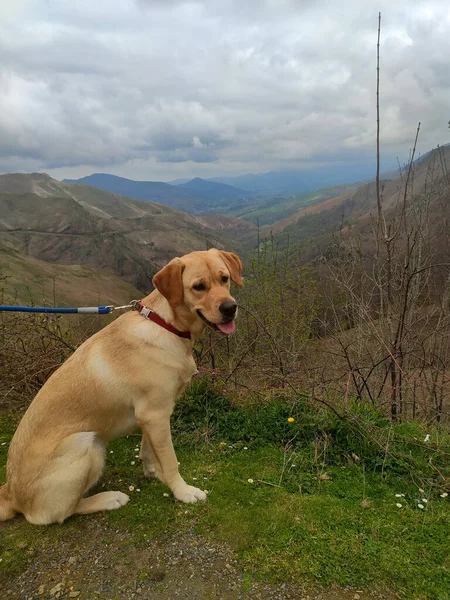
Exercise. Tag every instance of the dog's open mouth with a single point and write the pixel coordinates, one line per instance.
(227, 328)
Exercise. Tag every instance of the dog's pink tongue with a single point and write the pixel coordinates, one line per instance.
(227, 327)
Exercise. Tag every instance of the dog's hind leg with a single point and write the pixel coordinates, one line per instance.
(7, 510)
(76, 464)
(101, 501)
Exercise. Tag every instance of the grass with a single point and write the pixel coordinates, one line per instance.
(312, 501)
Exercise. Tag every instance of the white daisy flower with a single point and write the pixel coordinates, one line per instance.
(250, 480)
(398, 505)
(131, 488)
(133, 462)
(444, 495)
(420, 506)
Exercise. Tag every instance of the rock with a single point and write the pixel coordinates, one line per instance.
(356, 597)
(56, 589)
(74, 594)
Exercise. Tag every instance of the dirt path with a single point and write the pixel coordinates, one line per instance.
(99, 562)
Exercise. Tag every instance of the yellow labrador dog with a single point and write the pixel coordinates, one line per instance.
(127, 375)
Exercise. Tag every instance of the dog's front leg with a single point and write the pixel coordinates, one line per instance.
(156, 434)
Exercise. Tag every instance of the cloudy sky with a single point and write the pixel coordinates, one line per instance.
(160, 89)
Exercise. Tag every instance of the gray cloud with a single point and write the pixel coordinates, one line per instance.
(157, 89)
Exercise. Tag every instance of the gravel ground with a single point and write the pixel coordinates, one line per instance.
(99, 562)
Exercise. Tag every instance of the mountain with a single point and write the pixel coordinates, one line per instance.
(73, 224)
(26, 280)
(180, 181)
(311, 226)
(196, 196)
(213, 190)
(155, 191)
(300, 182)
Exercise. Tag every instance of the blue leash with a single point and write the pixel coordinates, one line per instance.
(97, 310)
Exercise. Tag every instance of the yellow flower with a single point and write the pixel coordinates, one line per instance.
(291, 420)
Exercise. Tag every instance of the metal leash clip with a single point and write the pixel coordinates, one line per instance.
(133, 305)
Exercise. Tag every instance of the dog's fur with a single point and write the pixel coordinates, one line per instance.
(127, 375)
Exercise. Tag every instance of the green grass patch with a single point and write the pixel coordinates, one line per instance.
(313, 501)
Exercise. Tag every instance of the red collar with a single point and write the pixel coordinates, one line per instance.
(152, 316)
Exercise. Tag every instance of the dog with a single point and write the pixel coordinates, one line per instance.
(126, 376)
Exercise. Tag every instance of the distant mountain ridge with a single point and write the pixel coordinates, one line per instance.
(195, 197)
(291, 182)
(312, 225)
(301, 182)
(209, 188)
(226, 195)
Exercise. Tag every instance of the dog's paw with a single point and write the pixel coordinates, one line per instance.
(115, 500)
(189, 494)
(149, 471)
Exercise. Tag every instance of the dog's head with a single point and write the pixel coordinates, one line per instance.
(199, 283)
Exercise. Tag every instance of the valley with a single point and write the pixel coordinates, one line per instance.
(128, 239)
(79, 225)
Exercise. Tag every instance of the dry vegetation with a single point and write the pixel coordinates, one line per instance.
(368, 321)
(32, 347)
(373, 326)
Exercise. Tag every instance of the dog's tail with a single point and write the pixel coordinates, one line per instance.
(7, 510)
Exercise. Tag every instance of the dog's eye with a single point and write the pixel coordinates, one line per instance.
(224, 279)
(199, 287)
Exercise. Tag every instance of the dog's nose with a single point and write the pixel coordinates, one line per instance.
(228, 308)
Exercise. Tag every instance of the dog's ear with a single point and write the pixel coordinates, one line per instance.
(234, 265)
(169, 282)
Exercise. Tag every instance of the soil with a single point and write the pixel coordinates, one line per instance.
(100, 562)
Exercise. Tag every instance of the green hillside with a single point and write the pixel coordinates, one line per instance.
(270, 210)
